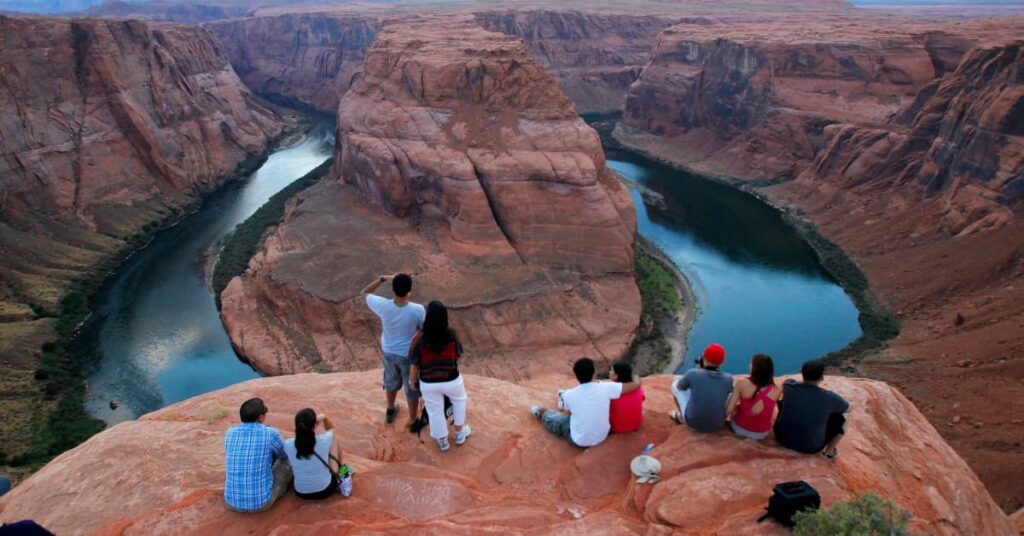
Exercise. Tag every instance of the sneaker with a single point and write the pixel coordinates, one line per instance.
(443, 443)
(461, 435)
(831, 455)
(535, 410)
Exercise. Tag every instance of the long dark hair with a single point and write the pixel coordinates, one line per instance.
(762, 371)
(305, 433)
(436, 333)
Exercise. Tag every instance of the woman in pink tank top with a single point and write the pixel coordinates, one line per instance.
(754, 398)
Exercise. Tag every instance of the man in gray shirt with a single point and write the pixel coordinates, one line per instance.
(702, 393)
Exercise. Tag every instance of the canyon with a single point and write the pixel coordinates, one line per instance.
(462, 162)
(109, 127)
(511, 476)
(831, 122)
(902, 145)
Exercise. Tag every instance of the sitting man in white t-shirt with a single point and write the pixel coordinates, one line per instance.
(586, 423)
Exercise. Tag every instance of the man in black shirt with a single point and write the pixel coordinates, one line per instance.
(810, 418)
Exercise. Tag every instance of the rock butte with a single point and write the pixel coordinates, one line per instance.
(164, 471)
(505, 209)
(105, 126)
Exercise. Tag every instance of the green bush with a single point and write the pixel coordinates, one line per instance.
(657, 288)
(863, 515)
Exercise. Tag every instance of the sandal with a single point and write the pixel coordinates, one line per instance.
(675, 416)
(391, 414)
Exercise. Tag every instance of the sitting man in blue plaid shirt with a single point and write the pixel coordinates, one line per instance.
(257, 467)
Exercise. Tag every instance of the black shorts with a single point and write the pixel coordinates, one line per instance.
(331, 489)
(833, 427)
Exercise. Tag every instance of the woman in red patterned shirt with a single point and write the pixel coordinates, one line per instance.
(435, 356)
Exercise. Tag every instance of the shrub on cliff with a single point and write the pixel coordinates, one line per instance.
(863, 515)
(242, 243)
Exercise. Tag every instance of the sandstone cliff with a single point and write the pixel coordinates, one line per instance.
(962, 140)
(313, 58)
(751, 100)
(164, 472)
(505, 210)
(930, 205)
(106, 126)
(594, 56)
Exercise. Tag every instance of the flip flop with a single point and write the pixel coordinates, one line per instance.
(391, 414)
(675, 416)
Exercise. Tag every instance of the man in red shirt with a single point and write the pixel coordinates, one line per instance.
(627, 411)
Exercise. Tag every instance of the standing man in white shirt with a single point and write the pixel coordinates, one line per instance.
(400, 320)
(587, 404)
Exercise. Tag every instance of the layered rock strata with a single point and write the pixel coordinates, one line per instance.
(930, 205)
(752, 100)
(510, 477)
(594, 56)
(316, 57)
(313, 58)
(461, 162)
(106, 126)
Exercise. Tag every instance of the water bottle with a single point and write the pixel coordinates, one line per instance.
(345, 486)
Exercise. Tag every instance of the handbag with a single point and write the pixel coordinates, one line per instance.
(788, 498)
(344, 476)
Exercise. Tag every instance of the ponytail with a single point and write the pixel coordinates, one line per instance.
(305, 436)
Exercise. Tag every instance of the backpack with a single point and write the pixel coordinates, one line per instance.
(424, 419)
(788, 498)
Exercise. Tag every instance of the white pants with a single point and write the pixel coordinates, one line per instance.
(433, 399)
(682, 397)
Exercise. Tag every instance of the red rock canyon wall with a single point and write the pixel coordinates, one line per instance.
(105, 126)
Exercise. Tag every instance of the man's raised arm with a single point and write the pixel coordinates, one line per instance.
(372, 287)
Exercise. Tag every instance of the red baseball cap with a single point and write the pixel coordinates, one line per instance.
(714, 355)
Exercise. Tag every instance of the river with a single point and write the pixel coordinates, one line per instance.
(759, 286)
(156, 337)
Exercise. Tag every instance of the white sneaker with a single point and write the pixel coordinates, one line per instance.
(443, 443)
(461, 435)
(535, 410)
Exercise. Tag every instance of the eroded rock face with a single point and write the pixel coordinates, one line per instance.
(594, 56)
(313, 58)
(106, 126)
(962, 139)
(511, 476)
(465, 165)
(752, 100)
(316, 57)
(929, 204)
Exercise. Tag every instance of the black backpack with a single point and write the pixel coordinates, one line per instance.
(788, 498)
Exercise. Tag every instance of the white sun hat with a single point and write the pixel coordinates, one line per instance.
(645, 468)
